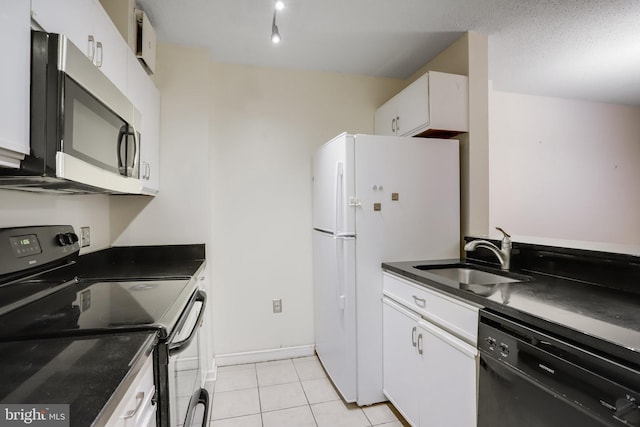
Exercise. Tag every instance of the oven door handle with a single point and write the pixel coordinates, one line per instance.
(177, 347)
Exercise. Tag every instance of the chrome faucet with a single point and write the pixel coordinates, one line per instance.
(503, 254)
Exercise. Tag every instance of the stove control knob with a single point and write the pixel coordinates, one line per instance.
(491, 341)
(70, 238)
(61, 240)
(504, 349)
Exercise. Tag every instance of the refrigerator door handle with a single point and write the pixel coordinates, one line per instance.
(345, 236)
(338, 195)
(340, 294)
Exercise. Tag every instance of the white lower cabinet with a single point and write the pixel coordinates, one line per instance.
(429, 374)
(402, 363)
(449, 396)
(137, 408)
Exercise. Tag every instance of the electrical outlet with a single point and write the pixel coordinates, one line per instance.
(85, 300)
(277, 306)
(85, 236)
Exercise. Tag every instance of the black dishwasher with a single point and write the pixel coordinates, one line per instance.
(529, 377)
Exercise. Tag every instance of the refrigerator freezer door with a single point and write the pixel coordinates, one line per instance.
(333, 185)
(334, 305)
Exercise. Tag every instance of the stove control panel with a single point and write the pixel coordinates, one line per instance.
(23, 248)
(25, 245)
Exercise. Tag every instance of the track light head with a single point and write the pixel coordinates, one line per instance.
(275, 35)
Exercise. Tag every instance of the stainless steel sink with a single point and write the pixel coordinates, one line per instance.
(471, 276)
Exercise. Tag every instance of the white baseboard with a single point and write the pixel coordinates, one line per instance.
(263, 355)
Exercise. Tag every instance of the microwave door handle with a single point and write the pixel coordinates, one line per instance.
(177, 347)
(136, 144)
(121, 134)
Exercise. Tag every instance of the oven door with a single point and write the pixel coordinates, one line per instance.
(185, 369)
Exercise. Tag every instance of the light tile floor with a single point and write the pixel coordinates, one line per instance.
(288, 393)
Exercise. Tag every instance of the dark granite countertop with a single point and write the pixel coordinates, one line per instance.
(166, 262)
(604, 319)
(84, 372)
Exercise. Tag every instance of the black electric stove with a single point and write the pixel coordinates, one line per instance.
(47, 291)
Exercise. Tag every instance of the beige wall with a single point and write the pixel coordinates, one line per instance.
(21, 208)
(265, 125)
(565, 169)
(180, 211)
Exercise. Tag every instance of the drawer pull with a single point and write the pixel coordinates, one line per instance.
(420, 302)
(420, 349)
(413, 336)
(139, 400)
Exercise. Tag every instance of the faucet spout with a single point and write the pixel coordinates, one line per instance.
(503, 253)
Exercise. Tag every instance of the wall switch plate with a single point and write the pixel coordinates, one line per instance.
(277, 306)
(85, 236)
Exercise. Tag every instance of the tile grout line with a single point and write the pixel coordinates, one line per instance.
(315, 421)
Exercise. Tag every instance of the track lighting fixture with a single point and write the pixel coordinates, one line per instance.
(275, 33)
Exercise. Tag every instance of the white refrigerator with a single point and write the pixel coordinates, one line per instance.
(375, 199)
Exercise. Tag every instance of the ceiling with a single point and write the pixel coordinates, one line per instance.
(584, 49)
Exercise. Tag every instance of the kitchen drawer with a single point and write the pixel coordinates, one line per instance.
(456, 316)
(137, 407)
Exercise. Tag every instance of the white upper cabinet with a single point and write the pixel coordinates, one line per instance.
(89, 27)
(435, 105)
(15, 43)
(146, 98)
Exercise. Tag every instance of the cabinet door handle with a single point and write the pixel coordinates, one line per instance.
(393, 125)
(420, 349)
(91, 48)
(99, 59)
(413, 336)
(420, 302)
(146, 173)
(398, 124)
(139, 400)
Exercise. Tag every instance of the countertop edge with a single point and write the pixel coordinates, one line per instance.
(145, 351)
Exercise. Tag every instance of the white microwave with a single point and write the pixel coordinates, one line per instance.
(84, 131)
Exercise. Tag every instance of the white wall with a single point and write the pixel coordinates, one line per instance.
(265, 124)
(20, 208)
(564, 169)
